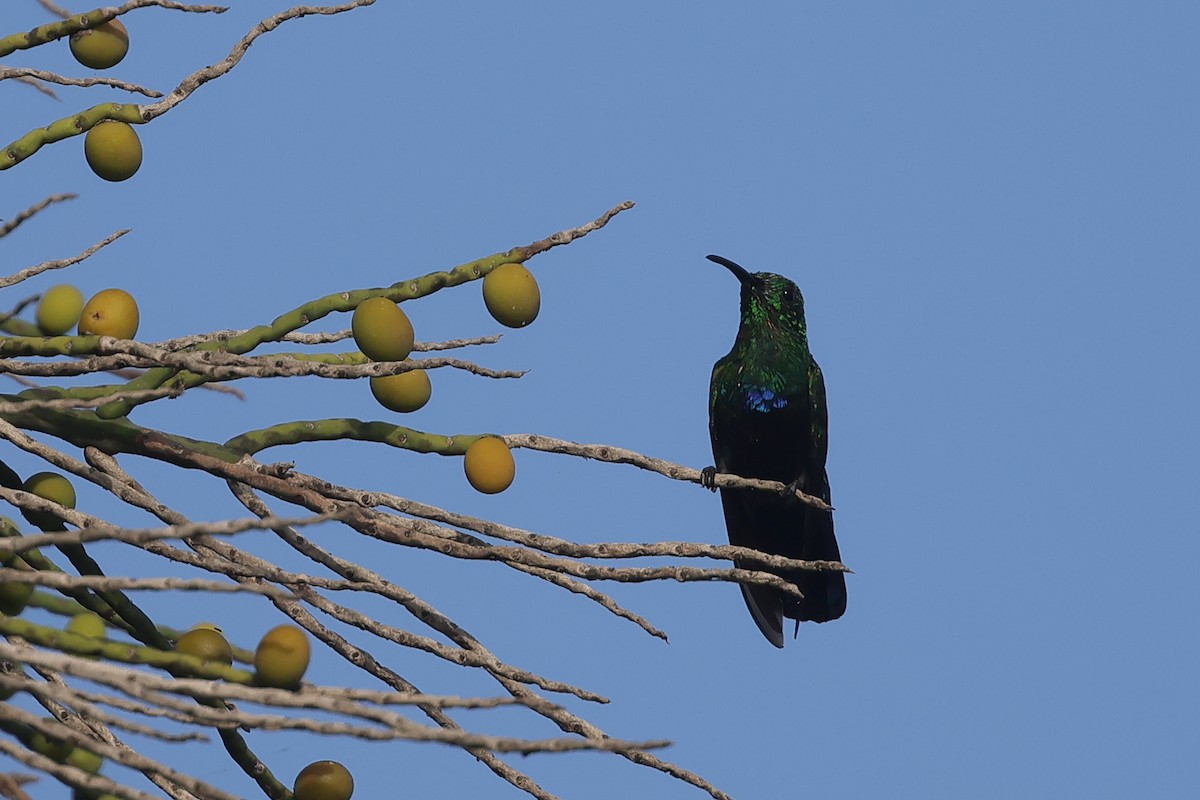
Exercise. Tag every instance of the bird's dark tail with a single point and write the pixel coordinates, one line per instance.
(824, 590)
(773, 523)
(766, 607)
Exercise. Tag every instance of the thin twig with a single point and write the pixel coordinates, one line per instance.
(299, 337)
(68, 403)
(200, 77)
(37, 269)
(219, 365)
(384, 725)
(54, 8)
(619, 455)
(101, 532)
(12, 224)
(62, 80)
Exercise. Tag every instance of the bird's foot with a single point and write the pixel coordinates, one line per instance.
(708, 478)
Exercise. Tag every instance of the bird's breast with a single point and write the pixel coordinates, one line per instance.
(760, 399)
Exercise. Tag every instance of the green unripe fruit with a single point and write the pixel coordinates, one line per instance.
(113, 150)
(324, 780)
(112, 312)
(49, 486)
(59, 309)
(281, 658)
(512, 295)
(382, 330)
(489, 465)
(101, 47)
(404, 392)
(50, 747)
(87, 623)
(207, 643)
(14, 597)
(85, 760)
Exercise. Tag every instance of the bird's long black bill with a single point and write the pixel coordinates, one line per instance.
(742, 274)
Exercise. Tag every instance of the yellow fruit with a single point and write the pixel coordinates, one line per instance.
(14, 597)
(59, 309)
(281, 658)
(489, 465)
(113, 150)
(112, 312)
(382, 330)
(511, 295)
(207, 643)
(101, 47)
(324, 780)
(50, 486)
(405, 392)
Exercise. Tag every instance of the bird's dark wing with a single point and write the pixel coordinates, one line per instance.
(818, 417)
(824, 592)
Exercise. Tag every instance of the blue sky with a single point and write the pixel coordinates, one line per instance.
(991, 210)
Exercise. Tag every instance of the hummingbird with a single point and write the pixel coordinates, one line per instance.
(767, 419)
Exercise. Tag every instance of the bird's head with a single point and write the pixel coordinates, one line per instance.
(768, 300)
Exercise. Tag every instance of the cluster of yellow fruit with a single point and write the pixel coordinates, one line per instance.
(283, 653)
(280, 660)
(112, 148)
(513, 299)
(383, 332)
(111, 312)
